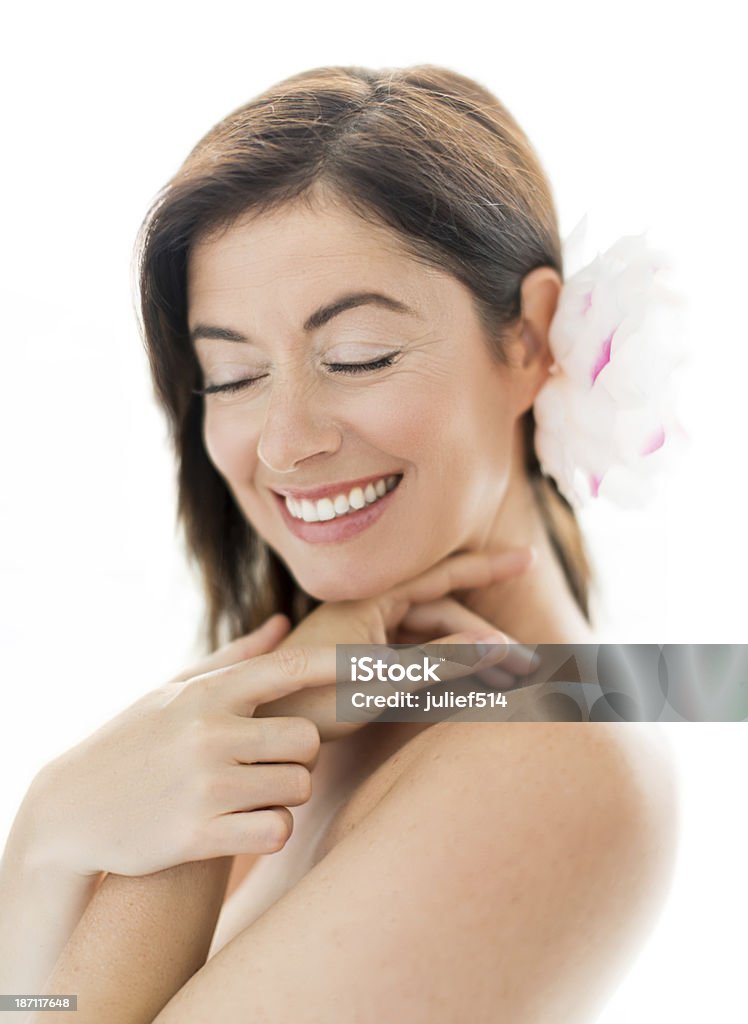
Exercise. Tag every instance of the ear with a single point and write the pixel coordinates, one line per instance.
(528, 350)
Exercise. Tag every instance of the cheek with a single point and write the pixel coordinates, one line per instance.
(415, 412)
(399, 424)
(461, 446)
(231, 444)
(456, 431)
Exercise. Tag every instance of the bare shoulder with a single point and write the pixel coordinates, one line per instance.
(572, 829)
(604, 778)
(507, 871)
(633, 757)
(540, 850)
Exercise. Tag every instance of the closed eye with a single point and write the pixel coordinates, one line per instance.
(377, 364)
(234, 385)
(240, 385)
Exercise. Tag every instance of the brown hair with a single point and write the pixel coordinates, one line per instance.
(427, 152)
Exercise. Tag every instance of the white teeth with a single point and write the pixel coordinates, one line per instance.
(331, 508)
(325, 509)
(308, 511)
(356, 498)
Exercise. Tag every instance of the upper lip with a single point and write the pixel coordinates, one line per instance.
(326, 490)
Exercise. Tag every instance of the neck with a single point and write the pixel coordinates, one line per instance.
(537, 607)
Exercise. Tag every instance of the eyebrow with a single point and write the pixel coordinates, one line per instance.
(318, 318)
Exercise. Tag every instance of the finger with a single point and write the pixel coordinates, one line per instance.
(448, 616)
(263, 831)
(497, 679)
(273, 675)
(242, 787)
(274, 740)
(260, 640)
(268, 677)
(265, 638)
(459, 654)
(457, 572)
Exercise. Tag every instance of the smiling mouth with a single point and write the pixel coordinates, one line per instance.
(343, 504)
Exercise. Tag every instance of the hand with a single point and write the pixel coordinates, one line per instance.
(415, 611)
(156, 786)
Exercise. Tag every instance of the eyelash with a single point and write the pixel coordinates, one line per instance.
(349, 368)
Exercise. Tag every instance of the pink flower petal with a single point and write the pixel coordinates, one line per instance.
(586, 301)
(656, 441)
(603, 358)
(595, 482)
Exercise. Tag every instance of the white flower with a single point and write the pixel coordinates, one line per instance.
(605, 421)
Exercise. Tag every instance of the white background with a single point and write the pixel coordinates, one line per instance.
(637, 113)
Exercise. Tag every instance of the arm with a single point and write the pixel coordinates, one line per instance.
(510, 873)
(122, 924)
(48, 904)
(41, 903)
(164, 926)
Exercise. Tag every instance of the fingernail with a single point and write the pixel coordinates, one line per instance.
(487, 644)
(532, 657)
(514, 556)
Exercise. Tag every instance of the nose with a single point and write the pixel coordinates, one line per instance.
(294, 431)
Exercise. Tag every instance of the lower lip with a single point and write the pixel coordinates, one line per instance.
(341, 528)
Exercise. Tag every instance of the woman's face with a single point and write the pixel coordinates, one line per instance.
(269, 300)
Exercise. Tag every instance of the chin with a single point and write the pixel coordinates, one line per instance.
(359, 587)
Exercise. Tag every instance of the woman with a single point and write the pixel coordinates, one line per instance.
(346, 292)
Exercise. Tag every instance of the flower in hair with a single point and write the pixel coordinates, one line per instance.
(605, 420)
